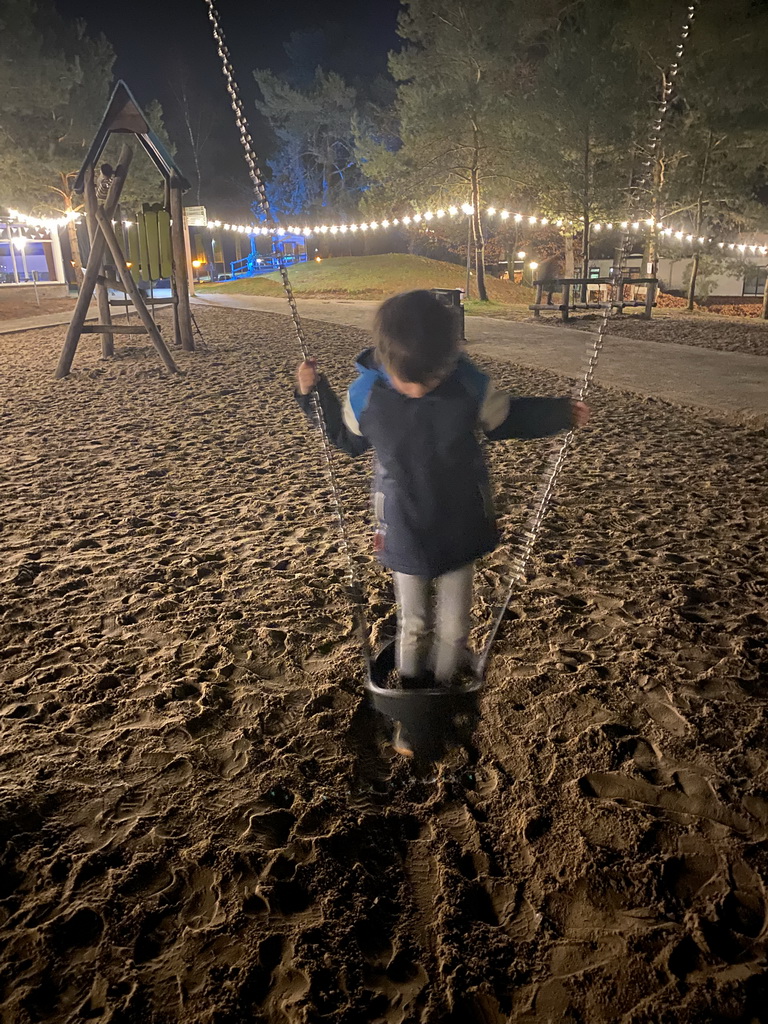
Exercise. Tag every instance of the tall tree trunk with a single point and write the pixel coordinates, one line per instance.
(74, 246)
(699, 217)
(651, 249)
(764, 314)
(692, 282)
(570, 262)
(656, 189)
(468, 288)
(479, 240)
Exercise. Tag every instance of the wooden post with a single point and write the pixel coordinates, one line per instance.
(650, 299)
(102, 295)
(539, 290)
(180, 276)
(566, 299)
(133, 291)
(94, 267)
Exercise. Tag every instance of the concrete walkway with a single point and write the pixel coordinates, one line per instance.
(732, 385)
(35, 323)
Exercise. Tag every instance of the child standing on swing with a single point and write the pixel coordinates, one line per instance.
(418, 401)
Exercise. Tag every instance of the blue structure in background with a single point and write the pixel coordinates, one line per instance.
(286, 247)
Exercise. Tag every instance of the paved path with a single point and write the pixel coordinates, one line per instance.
(34, 323)
(733, 385)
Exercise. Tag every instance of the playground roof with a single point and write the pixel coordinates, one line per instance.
(124, 116)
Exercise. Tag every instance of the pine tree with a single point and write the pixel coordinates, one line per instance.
(315, 166)
(459, 77)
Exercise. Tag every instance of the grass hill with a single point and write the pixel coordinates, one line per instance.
(370, 277)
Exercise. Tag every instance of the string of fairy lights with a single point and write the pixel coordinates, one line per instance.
(425, 218)
(499, 216)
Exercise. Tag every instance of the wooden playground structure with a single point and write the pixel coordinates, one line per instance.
(153, 247)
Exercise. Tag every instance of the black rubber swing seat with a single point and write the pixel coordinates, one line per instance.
(434, 718)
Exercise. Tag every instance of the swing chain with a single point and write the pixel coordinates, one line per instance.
(354, 587)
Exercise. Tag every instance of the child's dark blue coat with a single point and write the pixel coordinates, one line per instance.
(431, 492)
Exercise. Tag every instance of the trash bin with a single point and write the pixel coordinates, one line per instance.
(452, 297)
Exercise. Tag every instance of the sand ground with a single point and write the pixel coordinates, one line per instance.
(200, 819)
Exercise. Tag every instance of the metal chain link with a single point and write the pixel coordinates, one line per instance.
(354, 586)
(554, 467)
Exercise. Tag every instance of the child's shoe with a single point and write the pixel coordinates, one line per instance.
(400, 741)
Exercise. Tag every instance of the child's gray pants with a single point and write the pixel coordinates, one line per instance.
(447, 619)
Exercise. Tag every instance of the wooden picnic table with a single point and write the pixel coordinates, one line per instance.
(564, 285)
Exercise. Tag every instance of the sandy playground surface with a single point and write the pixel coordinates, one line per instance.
(202, 822)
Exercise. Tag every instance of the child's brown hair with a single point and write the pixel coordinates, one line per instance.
(416, 337)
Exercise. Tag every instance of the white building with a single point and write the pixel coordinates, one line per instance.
(30, 256)
(722, 277)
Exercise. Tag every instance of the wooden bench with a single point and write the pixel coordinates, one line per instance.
(564, 286)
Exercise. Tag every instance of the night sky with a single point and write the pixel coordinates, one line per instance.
(156, 39)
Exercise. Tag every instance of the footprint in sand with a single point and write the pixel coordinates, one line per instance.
(273, 984)
(76, 931)
(658, 704)
(232, 758)
(701, 802)
(270, 829)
